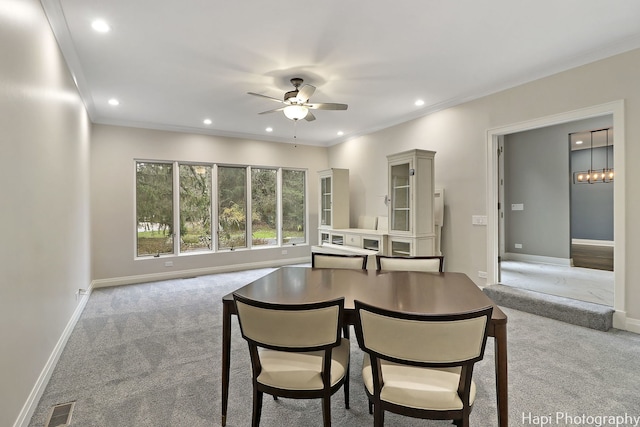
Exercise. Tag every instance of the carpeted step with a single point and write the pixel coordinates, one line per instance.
(581, 313)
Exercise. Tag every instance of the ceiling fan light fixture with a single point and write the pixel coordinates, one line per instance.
(296, 112)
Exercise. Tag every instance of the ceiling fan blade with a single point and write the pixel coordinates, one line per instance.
(305, 92)
(327, 106)
(273, 111)
(265, 96)
(310, 117)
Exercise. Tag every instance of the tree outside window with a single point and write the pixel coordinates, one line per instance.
(154, 208)
(293, 206)
(158, 229)
(232, 207)
(195, 207)
(264, 211)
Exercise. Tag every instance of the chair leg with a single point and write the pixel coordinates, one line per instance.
(346, 389)
(378, 416)
(257, 408)
(345, 331)
(326, 411)
(370, 407)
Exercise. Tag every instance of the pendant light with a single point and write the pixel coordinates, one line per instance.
(596, 176)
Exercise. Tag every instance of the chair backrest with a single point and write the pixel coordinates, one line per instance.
(422, 340)
(290, 327)
(319, 260)
(418, 263)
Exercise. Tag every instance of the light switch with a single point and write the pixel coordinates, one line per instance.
(479, 219)
(517, 207)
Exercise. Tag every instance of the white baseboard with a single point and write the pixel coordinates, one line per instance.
(24, 417)
(608, 243)
(631, 325)
(153, 277)
(510, 256)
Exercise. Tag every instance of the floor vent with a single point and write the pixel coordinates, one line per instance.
(60, 415)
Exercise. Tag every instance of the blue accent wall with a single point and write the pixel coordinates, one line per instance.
(591, 204)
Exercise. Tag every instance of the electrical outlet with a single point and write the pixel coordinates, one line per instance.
(482, 274)
(518, 245)
(284, 252)
(168, 263)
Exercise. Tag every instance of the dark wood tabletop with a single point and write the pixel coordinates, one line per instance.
(436, 293)
(414, 292)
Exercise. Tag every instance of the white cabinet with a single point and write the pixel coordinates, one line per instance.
(334, 199)
(411, 203)
(372, 240)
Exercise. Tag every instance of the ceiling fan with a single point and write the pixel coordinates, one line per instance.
(297, 103)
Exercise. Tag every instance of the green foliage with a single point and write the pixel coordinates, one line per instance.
(293, 203)
(154, 206)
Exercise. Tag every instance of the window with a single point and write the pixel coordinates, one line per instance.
(293, 206)
(154, 208)
(185, 208)
(264, 210)
(232, 207)
(195, 207)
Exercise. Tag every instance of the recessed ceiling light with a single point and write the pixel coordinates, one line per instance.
(340, 133)
(100, 26)
(114, 102)
(269, 129)
(207, 121)
(578, 142)
(419, 103)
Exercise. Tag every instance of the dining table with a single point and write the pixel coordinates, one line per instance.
(413, 292)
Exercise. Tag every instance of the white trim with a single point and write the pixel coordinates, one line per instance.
(29, 407)
(617, 109)
(142, 278)
(631, 325)
(588, 242)
(510, 256)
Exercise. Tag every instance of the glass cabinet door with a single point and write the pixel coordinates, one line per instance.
(325, 198)
(399, 248)
(400, 197)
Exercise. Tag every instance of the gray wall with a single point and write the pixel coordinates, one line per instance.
(537, 174)
(44, 176)
(44, 142)
(113, 224)
(591, 204)
(458, 135)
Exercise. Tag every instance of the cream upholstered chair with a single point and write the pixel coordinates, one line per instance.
(421, 365)
(319, 260)
(296, 351)
(433, 263)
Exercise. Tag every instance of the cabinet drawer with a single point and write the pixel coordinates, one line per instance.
(353, 240)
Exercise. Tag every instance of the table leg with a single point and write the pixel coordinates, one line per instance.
(226, 359)
(502, 385)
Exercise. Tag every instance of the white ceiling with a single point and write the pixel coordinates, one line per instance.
(173, 63)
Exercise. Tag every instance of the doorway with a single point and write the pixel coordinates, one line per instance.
(616, 111)
(546, 211)
(592, 183)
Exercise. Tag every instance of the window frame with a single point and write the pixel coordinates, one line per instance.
(215, 208)
(135, 208)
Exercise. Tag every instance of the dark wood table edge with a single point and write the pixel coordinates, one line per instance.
(497, 330)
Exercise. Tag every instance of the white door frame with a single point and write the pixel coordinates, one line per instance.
(616, 108)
